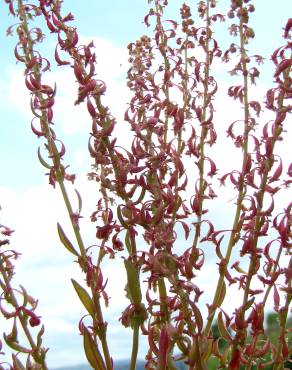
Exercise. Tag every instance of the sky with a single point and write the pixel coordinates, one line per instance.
(32, 208)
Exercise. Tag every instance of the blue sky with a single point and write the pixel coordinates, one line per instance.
(29, 205)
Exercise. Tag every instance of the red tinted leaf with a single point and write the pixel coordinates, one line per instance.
(151, 341)
(59, 61)
(288, 28)
(256, 106)
(51, 26)
(276, 297)
(277, 172)
(284, 64)
(78, 73)
(234, 364)
(186, 229)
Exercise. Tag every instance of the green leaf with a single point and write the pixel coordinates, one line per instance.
(198, 316)
(43, 162)
(133, 282)
(39, 336)
(13, 335)
(65, 241)
(92, 352)
(128, 242)
(222, 328)
(120, 217)
(84, 297)
(222, 295)
(79, 201)
(25, 296)
(14, 345)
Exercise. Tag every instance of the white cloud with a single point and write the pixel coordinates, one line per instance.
(14, 92)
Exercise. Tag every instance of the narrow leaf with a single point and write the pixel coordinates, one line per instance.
(128, 242)
(79, 201)
(222, 295)
(133, 282)
(92, 352)
(25, 296)
(198, 316)
(141, 197)
(120, 217)
(39, 336)
(65, 241)
(276, 298)
(14, 345)
(43, 162)
(222, 328)
(84, 297)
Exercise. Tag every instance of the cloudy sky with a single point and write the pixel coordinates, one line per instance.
(32, 208)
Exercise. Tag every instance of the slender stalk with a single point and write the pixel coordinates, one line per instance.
(29, 53)
(163, 297)
(241, 187)
(203, 133)
(102, 336)
(260, 198)
(135, 345)
(278, 364)
(70, 213)
(162, 50)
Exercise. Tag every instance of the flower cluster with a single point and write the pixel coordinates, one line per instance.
(163, 183)
(22, 315)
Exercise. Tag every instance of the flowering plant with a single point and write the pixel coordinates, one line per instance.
(162, 185)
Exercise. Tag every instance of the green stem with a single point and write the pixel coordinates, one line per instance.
(162, 50)
(201, 162)
(60, 179)
(70, 213)
(163, 297)
(135, 345)
(278, 365)
(260, 198)
(241, 188)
